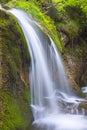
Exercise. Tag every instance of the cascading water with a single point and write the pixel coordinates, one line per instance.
(50, 91)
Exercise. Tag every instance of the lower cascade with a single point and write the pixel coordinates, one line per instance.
(54, 105)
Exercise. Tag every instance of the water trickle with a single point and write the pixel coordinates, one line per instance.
(1, 8)
(51, 97)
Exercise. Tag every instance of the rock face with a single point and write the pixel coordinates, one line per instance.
(75, 59)
(15, 111)
(71, 24)
(72, 27)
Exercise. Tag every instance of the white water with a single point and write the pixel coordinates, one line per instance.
(84, 89)
(53, 104)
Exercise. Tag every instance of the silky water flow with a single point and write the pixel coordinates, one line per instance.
(54, 105)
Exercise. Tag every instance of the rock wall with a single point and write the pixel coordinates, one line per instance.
(76, 63)
(71, 24)
(15, 109)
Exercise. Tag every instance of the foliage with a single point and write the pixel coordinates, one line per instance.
(71, 16)
(76, 4)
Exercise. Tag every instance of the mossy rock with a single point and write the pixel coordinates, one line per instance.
(15, 109)
(43, 21)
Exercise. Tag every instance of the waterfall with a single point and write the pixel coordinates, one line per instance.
(53, 103)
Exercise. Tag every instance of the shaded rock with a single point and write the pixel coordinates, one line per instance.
(75, 66)
(64, 38)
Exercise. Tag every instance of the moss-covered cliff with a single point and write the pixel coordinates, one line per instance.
(67, 24)
(15, 110)
(70, 18)
(72, 25)
(45, 22)
(68, 21)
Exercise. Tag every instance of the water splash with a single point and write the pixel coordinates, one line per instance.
(61, 81)
(51, 97)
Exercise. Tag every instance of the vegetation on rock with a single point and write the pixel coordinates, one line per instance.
(14, 63)
(70, 19)
(47, 24)
(66, 22)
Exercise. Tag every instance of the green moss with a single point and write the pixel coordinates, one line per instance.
(11, 33)
(13, 116)
(71, 27)
(46, 23)
(71, 17)
(15, 110)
